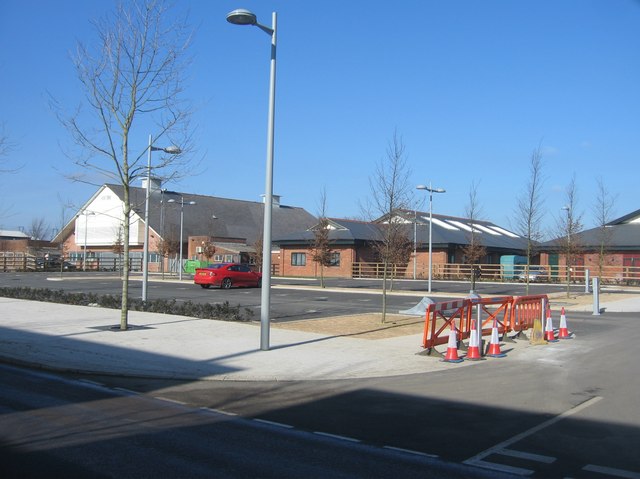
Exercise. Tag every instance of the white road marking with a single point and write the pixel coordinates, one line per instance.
(273, 423)
(527, 455)
(336, 436)
(477, 460)
(174, 401)
(610, 471)
(410, 451)
(217, 411)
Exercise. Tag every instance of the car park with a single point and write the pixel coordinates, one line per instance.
(536, 273)
(227, 275)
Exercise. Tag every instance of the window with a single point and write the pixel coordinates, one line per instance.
(298, 259)
(228, 258)
(217, 258)
(334, 259)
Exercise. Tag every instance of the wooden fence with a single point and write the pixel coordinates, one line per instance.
(624, 275)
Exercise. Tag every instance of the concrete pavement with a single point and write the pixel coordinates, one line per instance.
(87, 339)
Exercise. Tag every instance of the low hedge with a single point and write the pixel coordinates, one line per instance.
(223, 312)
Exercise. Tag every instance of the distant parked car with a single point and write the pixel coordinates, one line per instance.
(226, 275)
(536, 273)
(53, 264)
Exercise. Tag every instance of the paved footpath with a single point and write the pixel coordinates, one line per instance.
(86, 339)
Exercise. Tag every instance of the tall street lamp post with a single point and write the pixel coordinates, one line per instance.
(84, 254)
(172, 150)
(182, 203)
(431, 192)
(245, 17)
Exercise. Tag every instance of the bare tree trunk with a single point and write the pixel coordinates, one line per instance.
(529, 209)
(124, 305)
(135, 68)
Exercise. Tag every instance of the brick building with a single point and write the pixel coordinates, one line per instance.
(619, 240)
(353, 245)
(231, 226)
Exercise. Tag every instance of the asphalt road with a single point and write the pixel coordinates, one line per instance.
(56, 427)
(567, 409)
(287, 302)
(561, 410)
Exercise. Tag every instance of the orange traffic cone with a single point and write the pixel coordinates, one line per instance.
(494, 345)
(563, 332)
(548, 329)
(473, 352)
(452, 347)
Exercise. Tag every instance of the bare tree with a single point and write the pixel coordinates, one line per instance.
(38, 229)
(134, 72)
(208, 246)
(118, 248)
(390, 192)
(7, 146)
(257, 253)
(474, 251)
(529, 209)
(569, 225)
(321, 247)
(603, 211)
(168, 246)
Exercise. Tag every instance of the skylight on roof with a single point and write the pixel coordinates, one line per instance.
(460, 225)
(442, 224)
(486, 230)
(504, 232)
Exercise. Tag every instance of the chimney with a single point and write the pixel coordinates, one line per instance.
(154, 183)
(275, 200)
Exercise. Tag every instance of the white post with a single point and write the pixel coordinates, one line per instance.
(430, 231)
(415, 247)
(84, 255)
(181, 223)
(596, 296)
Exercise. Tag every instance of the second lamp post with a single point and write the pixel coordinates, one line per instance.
(172, 150)
(182, 203)
(431, 192)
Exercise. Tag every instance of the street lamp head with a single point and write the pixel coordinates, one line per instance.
(431, 190)
(566, 208)
(172, 200)
(242, 17)
(172, 150)
(190, 203)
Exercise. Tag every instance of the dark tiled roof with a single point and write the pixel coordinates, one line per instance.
(626, 219)
(620, 234)
(447, 231)
(234, 218)
(616, 237)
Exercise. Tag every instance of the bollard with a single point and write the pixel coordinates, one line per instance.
(596, 296)
(587, 273)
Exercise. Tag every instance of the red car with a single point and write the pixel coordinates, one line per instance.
(226, 275)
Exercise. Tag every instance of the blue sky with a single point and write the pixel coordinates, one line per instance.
(472, 87)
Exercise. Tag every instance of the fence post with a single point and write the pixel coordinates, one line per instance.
(596, 296)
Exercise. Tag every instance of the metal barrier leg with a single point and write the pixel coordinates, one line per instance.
(430, 352)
